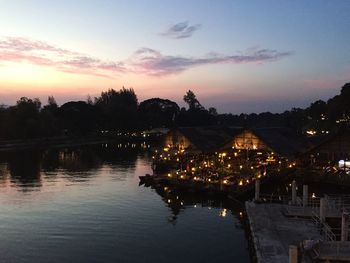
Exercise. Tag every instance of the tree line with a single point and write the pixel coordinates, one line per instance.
(120, 111)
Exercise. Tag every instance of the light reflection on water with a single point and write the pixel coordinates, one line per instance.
(85, 205)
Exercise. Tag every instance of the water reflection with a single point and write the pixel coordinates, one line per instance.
(25, 170)
(86, 202)
(178, 200)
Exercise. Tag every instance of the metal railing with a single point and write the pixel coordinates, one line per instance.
(272, 198)
(325, 229)
(339, 202)
(338, 249)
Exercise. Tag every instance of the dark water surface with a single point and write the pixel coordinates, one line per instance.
(85, 205)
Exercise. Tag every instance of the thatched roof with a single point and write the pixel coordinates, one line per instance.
(209, 138)
(281, 140)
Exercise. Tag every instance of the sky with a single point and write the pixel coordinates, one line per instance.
(237, 56)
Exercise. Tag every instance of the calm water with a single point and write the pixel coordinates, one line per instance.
(85, 205)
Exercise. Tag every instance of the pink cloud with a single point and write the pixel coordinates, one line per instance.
(152, 62)
(18, 49)
(145, 61)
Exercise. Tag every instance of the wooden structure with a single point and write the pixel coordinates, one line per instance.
(220, 138)
(274, 140)
(200, 139)
(331, 150)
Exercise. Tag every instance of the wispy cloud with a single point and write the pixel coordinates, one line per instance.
(19, 49)
(181, 30)
(144, 61)
(152, 62)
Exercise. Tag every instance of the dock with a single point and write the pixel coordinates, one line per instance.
(296, 230)
(273, 233)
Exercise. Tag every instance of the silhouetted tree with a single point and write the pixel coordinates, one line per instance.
(317, 110)
(196, 115)
(78, 118)
(25, 118)
(118, 109)
(213, 111)
(49, 118)
(191, 99)
(157, 112)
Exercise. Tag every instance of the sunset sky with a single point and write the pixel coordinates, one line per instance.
(237, 56)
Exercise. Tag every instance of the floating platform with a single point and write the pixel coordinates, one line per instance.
(196, 186)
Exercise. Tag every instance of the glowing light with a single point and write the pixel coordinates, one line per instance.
(311, 132)
(240, 182)
(313, 195)
(225, 181)
(223, 212)
(169, 175)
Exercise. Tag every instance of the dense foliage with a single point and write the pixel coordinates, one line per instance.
(118, 111)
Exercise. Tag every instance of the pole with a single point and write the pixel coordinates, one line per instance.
(293, 254)
(257, 190)
(305, 195)
(294, 192)
(323, 208)
(344, 226)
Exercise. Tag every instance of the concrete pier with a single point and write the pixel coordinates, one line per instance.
(273, 233)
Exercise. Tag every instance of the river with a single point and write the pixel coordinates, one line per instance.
(85, 205)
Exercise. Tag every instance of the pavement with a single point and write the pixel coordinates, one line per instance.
(273, 232)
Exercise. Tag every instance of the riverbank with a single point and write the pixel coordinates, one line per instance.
(59, 142)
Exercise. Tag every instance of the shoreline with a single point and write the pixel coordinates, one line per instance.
(58, 142)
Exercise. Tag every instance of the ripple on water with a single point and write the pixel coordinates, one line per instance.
(100, 214)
